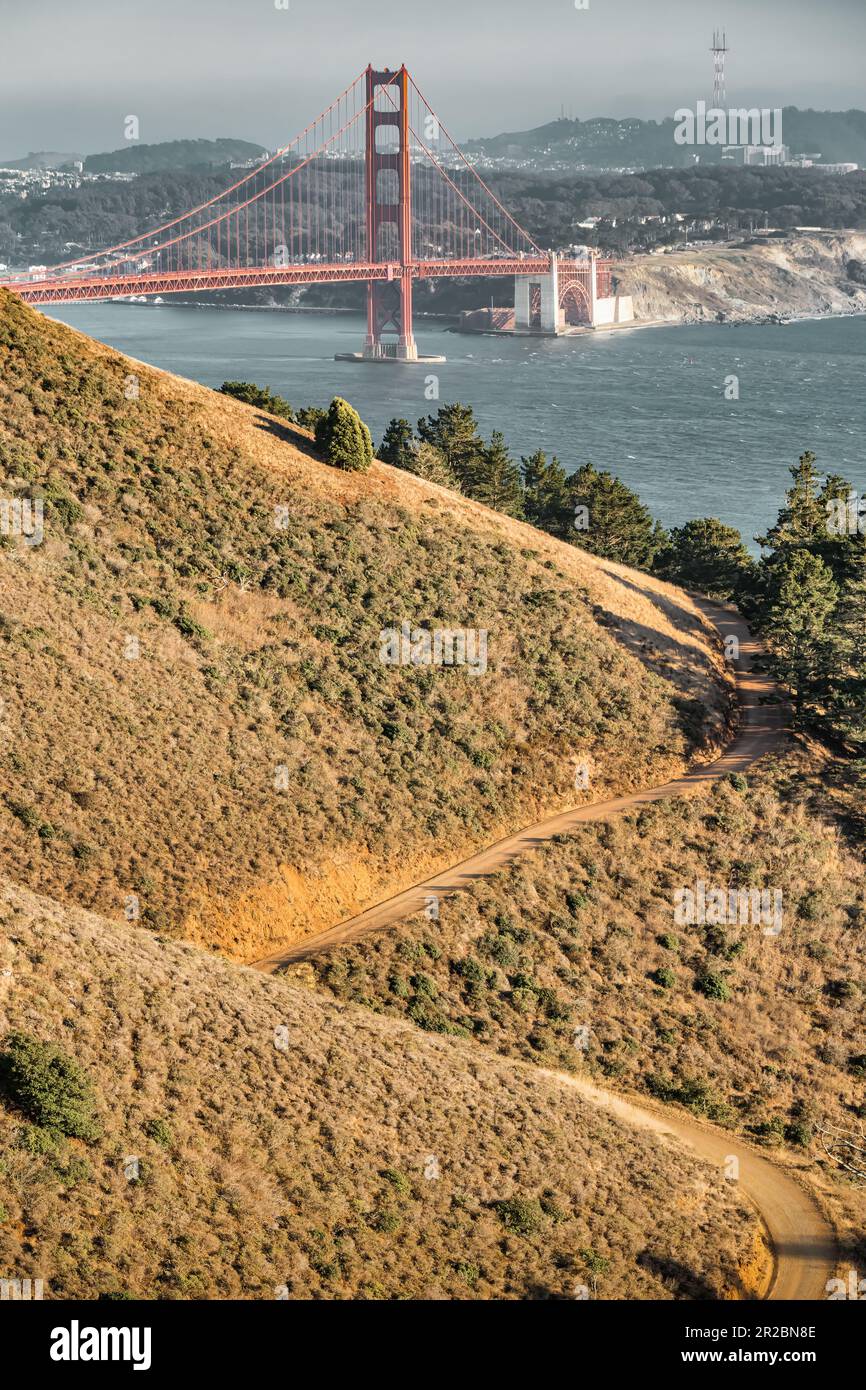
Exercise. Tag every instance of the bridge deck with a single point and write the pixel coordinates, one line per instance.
(66, 289)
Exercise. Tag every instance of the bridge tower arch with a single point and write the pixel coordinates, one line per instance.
(537, 302)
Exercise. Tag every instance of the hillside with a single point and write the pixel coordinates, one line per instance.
(172, 155)
(201, 733)
(760, 1033)
(256, 1141)
(607, 142)
(800, 276)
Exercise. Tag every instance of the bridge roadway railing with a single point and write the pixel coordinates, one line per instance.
(65, 289)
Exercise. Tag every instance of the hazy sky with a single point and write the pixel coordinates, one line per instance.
(73, 69)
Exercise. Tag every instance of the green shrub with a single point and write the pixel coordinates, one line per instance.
(188, 627)
(712, 984)
(501, 949)
(812, 906)
(664, 977)
(773, 1130)
(799, 1133)
(48, 1086)
(398, 1181)
(595, 1263)
(386, 1220)
(158, 1130)
(468, 969)
(840, 989)
(520, 1215)
(261, 396)
(344, 438)
(36, 1140)
(693, 1092)
(552, 1207)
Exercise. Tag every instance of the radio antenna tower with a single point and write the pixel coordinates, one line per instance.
(719, 51)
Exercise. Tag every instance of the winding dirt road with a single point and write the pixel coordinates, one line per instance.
(761, 730)
(803, 1242)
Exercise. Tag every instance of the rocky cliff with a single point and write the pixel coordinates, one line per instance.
(799, 276)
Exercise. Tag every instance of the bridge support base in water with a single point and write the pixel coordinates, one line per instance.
(392, 353)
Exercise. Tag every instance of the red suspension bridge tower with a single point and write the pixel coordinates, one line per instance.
(389, 217)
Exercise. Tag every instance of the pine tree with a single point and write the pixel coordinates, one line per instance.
(453, 430)
(800, 603)
(844, 525)
(803, 518)
(344, 438)
(494, 478)
(310, 415)
(848, 647)
(618, 526)
(545, 494)
(397, 447)
(427, 462)
(261, 396)
(707, 555)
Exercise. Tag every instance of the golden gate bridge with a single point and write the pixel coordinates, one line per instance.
(373, 190)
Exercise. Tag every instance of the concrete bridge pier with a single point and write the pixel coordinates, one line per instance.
(550, 318)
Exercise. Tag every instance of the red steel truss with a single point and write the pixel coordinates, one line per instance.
(72, 289)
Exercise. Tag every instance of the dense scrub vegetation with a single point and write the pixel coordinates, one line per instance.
(260, 1142)
(200, 632)
(574, 959)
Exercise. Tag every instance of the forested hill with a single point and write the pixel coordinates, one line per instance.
(631, 143)
(174, 155)
(637, 211)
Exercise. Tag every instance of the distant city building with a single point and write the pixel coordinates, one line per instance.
(760, 155)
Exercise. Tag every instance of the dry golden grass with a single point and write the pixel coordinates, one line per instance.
(302, 1167)
(154, 778)
(577, 933)
(149, 782)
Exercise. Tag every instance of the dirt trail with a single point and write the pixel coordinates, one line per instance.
(803, 1242)
(761, 730)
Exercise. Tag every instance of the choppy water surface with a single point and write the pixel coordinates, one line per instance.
(648, 405)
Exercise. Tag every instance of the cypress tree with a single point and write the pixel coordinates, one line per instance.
(344, 438)
(848, 647)
(799, 607)
(620, 527)
(427, 462)
(706, 554)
